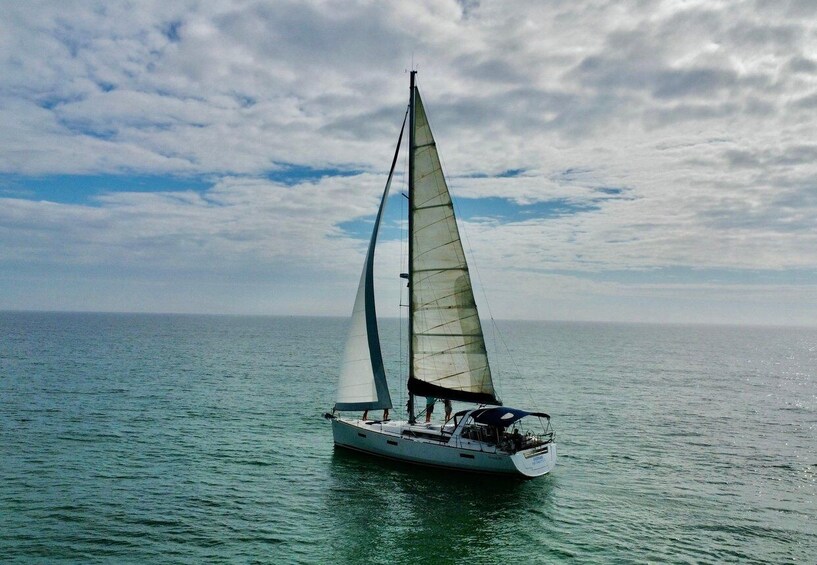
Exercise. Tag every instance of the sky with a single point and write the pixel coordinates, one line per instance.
(648, 161)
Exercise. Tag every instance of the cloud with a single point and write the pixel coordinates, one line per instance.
(237, 221)
(680, 135)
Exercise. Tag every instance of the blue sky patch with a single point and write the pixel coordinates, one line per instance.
(171, 31)
(506, 210)
(295, 174)
(510, 173)
(573, 174)
(494, 208)
(391, 227)
(82, 189)
(390, 230)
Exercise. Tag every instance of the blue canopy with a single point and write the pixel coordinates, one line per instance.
(502, 417)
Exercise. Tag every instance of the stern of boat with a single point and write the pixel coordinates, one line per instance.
(536, 461)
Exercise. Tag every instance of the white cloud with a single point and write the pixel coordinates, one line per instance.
(701, 112)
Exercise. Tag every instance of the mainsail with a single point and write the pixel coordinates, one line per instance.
(362, 384)
(449, 359)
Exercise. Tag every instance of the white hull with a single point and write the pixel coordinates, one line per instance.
(425, 444)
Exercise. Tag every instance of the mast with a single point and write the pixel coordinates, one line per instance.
(410, 406)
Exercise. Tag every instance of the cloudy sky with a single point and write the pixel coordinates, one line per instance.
(626, 161)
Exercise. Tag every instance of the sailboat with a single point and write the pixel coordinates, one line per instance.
(448, 360)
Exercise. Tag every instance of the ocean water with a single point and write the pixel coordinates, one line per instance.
(190, 439)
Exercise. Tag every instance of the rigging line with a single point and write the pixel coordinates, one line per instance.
(400, 310)
(513, 360)
(496, 331)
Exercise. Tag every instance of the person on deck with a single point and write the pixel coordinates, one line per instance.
(430, 400)
(516, 439)
(447, 405)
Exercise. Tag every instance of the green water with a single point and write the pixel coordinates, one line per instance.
(189, 439)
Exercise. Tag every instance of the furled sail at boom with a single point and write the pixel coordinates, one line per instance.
(362, 384)
(449, 359)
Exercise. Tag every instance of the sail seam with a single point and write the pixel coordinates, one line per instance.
(433, 302)
(446, 205)
(452, 350)
(423, 177)
(447, 334)
(436, 247)
(452, 375)
(440, 269)
(425, 203)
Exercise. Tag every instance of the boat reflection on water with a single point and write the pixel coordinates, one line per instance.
(377, 511)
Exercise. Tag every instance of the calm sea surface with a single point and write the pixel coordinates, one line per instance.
(133, 438)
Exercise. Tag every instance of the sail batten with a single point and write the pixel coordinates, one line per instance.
(448, 355)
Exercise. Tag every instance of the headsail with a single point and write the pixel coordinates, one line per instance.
(449, 359)
(362, 384)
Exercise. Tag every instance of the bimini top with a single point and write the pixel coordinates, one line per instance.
(501, 416)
